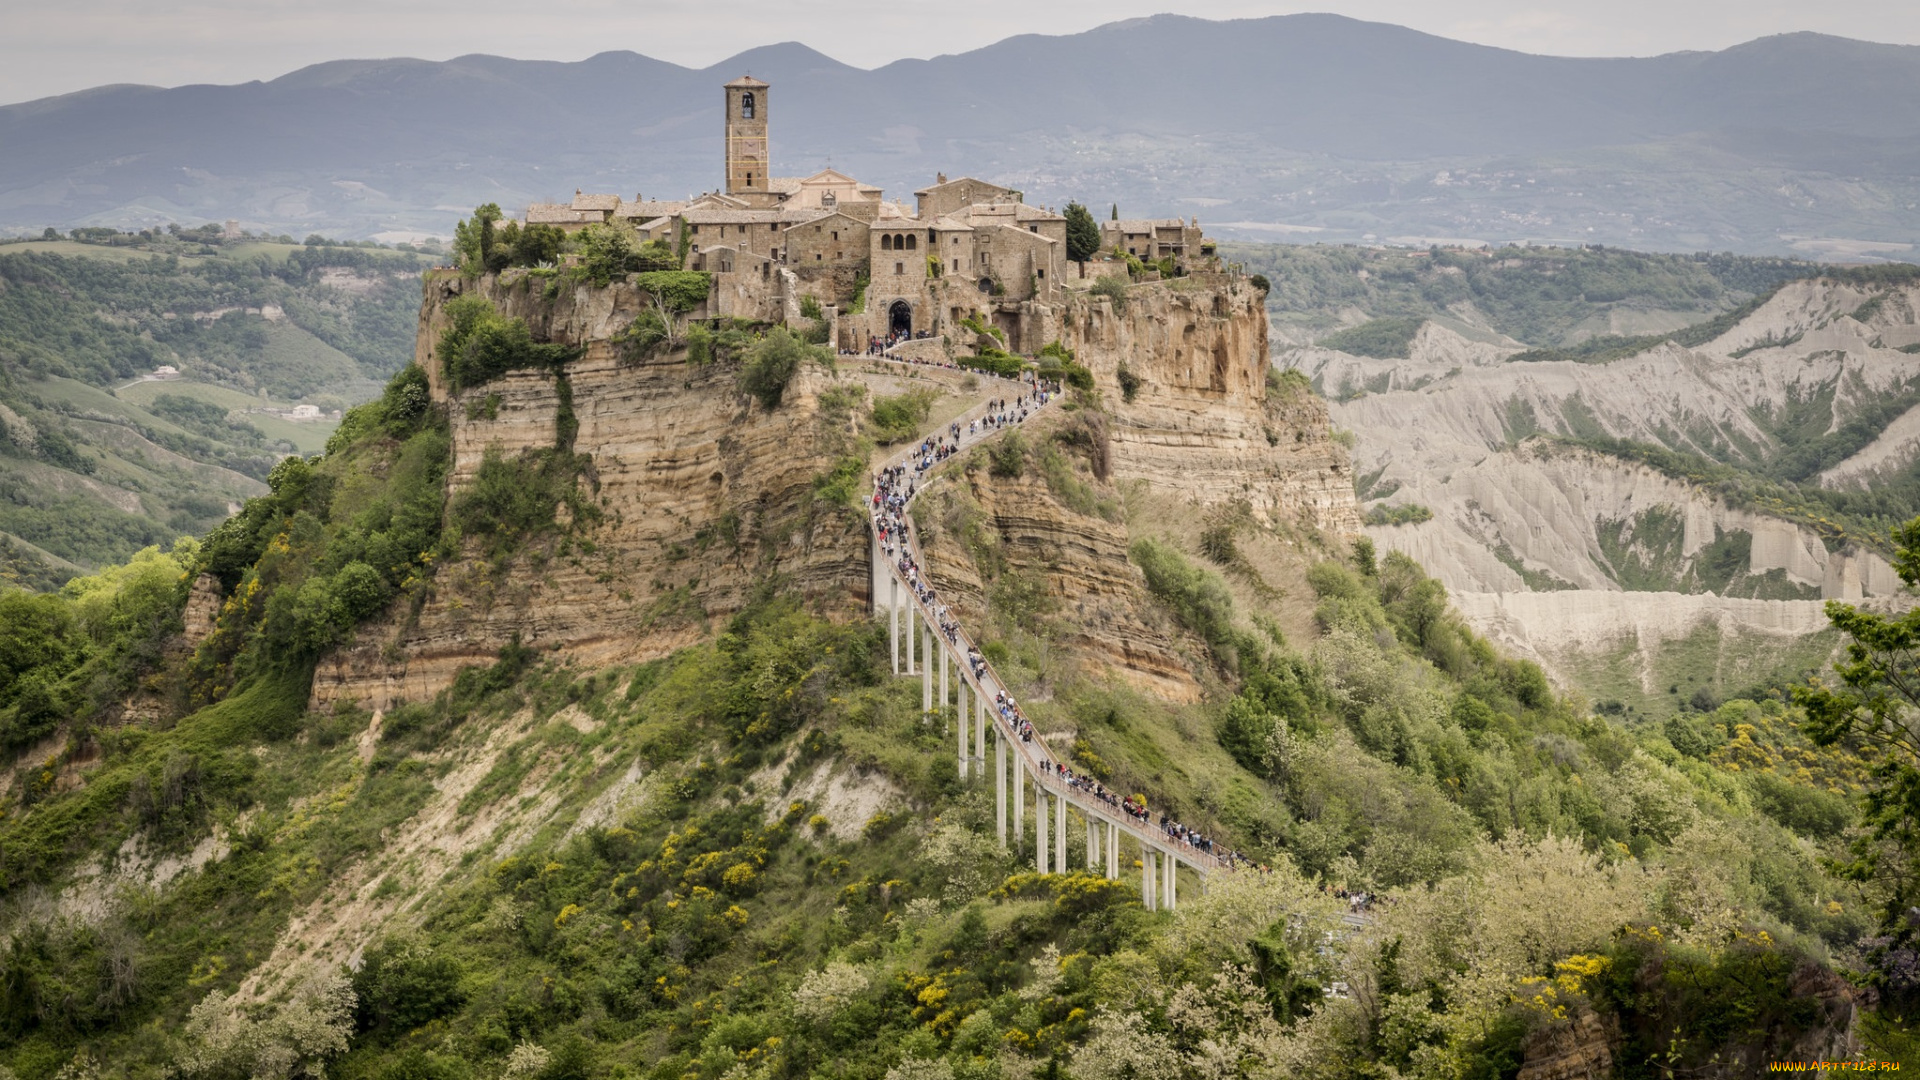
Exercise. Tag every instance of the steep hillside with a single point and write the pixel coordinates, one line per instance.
(1304, 122)
(389, 778)
(1760, 457)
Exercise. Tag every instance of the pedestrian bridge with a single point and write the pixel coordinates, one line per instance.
(1020, 769)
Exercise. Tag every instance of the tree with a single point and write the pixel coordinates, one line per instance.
(1116, 211)
(773, 361)
(473, 238)
(1877, 703)
(1083, 233)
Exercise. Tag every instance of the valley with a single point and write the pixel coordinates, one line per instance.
(1759, 457)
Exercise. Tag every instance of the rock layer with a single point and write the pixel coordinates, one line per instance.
(700, 493)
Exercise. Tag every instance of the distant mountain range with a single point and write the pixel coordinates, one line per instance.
(1314, 126)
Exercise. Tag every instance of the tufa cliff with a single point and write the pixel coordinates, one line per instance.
(689, 492)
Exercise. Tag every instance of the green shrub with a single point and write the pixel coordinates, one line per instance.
(771, 363)
(402, 984)
(1007, 456)
(1401, 514)
(898, 418)
(1385, 339)
(480, 344)
(679, 291)
(515, 497)
(1197, 598)
(1114, 288)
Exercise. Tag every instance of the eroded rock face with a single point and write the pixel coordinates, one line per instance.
(978, 530)
(1202, 420)
(700, 493)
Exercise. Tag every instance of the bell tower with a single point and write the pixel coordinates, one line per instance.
(747, 164)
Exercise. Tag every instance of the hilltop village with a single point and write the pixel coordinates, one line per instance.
(881, 271)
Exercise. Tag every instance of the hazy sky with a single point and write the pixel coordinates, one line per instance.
(54, 48)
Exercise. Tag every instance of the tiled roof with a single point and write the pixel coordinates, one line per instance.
(652, 208)
(961, 180)
(1141, 225)
(745, 82)
(558, 214)
(595, 202)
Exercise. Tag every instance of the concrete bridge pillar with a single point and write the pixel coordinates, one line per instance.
(940, 643)
(893, 619)
(1113, 851)
(959, 715)
(1039, 828)
(1093, 845)
(979, 727)
(1170, 878)
(1060, 833)
(1018, 782)
(926, 671)
(999, 785)
(1147, 891)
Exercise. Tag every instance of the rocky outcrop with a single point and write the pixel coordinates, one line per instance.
(1201, 420)
(696, 493)
(1580, 1049)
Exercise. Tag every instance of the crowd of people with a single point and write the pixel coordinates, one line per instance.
(893, 489)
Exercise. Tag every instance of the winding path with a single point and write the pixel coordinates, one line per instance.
(1106, 822)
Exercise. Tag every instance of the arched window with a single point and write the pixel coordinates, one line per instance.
(886, 242)
(829, 200)
(911, 244)
(746, 106)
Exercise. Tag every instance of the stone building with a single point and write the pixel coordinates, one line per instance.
(966, 249)
(1152, 238)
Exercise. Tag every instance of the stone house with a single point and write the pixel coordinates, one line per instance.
(965, 249)
(1152, 238)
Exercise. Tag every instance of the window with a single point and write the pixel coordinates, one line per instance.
(829, 200)
(816, 256)
(956, 241)
(816, 228)
(836, 234)
(1042, 273)
(910, 242)
(749, 179)
(696, 230)
(956, 266)
(899, 268)
(886, 242)
(746, 109)
(1033, 228)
